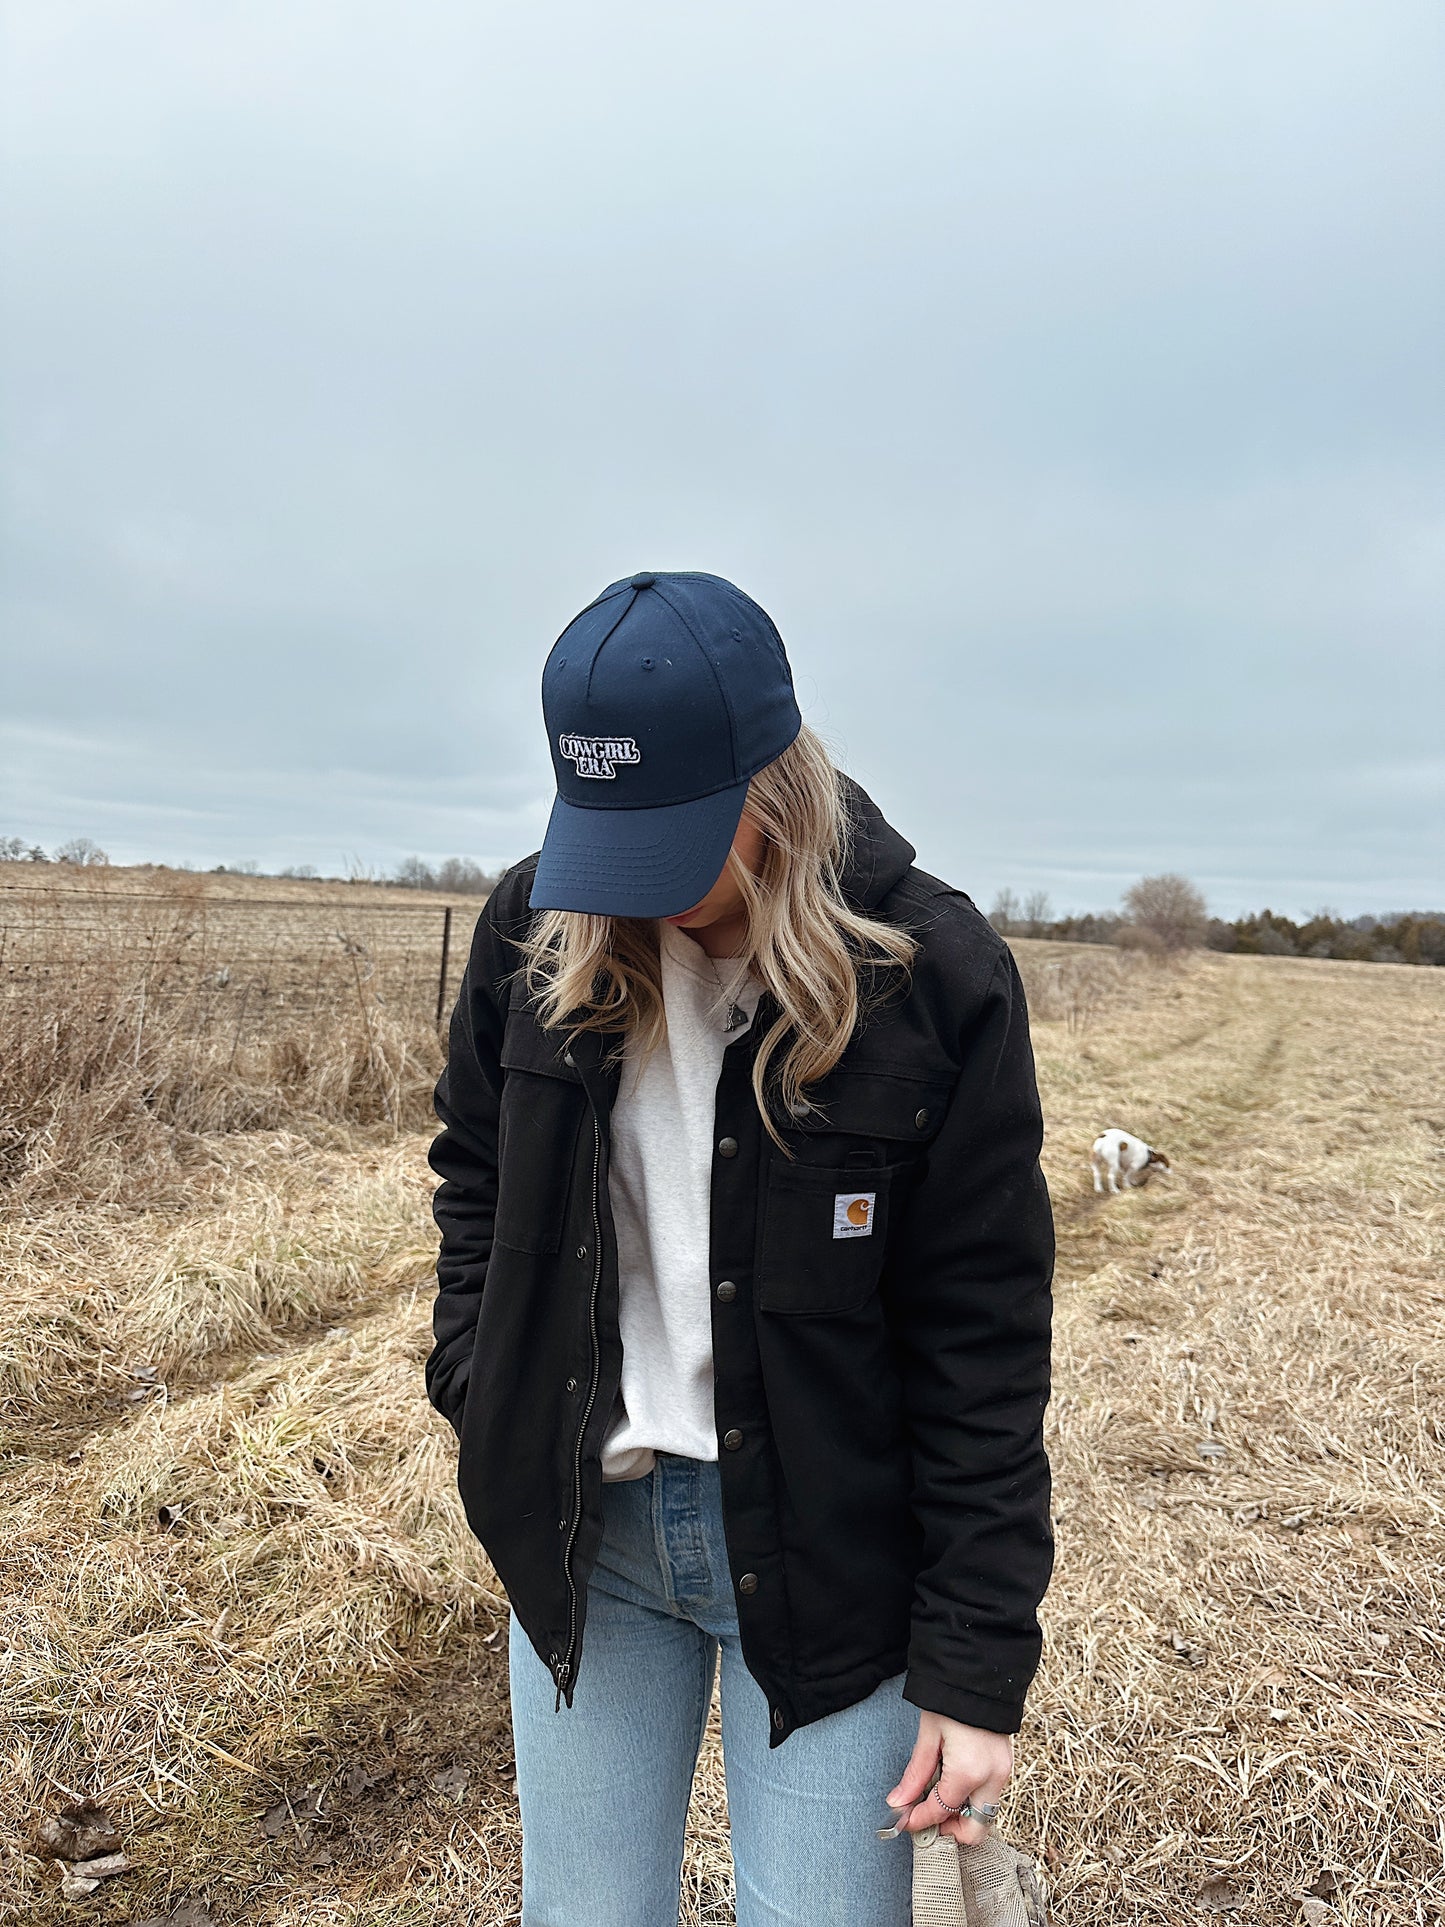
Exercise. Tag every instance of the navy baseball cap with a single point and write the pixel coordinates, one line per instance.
(662, 699)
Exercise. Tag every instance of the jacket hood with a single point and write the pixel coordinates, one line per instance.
(879, 856)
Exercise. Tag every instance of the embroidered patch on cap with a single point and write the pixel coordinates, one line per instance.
(853, 1214)
(599, 755)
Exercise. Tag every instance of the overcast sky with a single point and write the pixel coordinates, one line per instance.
(1066, 380)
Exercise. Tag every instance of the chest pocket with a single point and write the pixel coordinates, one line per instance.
(541, 1116)
(827, 1214)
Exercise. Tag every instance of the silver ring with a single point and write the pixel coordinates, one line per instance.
(984, 1814)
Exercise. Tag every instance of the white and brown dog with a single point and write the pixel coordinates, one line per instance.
(1124, 1160)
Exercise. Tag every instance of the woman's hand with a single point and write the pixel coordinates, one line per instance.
(977, 1765)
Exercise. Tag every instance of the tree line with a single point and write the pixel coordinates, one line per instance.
(456, 876)
(1168, 913)
(1164, 914)
(1412, 937)
(79, 850)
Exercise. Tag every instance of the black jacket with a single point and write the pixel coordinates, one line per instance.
(879, 1398)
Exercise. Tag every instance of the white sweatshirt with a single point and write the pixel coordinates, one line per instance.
(661, 1193)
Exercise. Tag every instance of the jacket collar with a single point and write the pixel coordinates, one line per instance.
(878, 857)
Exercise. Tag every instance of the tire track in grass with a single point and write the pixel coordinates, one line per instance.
(173, 1310)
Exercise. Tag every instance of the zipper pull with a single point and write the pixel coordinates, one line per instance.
(562, 1675)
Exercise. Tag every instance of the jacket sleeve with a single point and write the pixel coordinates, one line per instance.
(464, 1157)
(969, 1287)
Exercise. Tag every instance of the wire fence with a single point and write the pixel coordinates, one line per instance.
(253, 964)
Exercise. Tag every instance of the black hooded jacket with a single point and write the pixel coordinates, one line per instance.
(879, 1398)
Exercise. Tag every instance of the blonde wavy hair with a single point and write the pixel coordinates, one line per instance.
(823, 962)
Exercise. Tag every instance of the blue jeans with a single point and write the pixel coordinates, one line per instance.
(604, 1785)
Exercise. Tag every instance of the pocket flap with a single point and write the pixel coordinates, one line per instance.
(527, 1047)
(876, 1103)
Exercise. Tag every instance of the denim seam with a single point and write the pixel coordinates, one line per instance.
(708, 1660)
(659, 1536)
(683, 1541)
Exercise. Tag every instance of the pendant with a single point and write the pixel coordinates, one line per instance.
(737, 1017)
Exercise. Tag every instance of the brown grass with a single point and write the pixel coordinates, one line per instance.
(144, 1025)
(249, 1590)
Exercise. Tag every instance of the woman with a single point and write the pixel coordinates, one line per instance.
(743, 1318)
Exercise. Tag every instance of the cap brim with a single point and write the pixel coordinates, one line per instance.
(636, 863)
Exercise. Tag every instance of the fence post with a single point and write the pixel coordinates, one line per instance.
(442, 975)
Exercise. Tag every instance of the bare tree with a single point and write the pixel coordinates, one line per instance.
(461, 875)
(1037, 911)
(1005, 913)
(81, 850)
(1274, 943)
(1171, 908)
(456, 876)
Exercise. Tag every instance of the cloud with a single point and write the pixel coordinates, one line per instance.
(1065, 382)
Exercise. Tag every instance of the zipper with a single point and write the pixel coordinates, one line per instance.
(564, 1669)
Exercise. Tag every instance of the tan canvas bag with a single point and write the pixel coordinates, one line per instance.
(990, 1885)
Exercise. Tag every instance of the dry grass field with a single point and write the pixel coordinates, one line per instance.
(244, 1614)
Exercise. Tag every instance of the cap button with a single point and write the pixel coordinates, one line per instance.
(644, 581)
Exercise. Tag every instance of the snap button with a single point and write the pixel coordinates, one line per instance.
(581, 1251)
(644, 581)
(727, 1291)
(569, 1060)
(727, 1147)
(748, 1582)
(921, 1121)
(777, 1720)
(732, 1440)
(571, 1385)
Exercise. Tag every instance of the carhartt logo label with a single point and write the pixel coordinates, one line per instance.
(599, 755)
(853, 1214)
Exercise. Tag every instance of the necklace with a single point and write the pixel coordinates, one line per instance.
(736, 1017)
